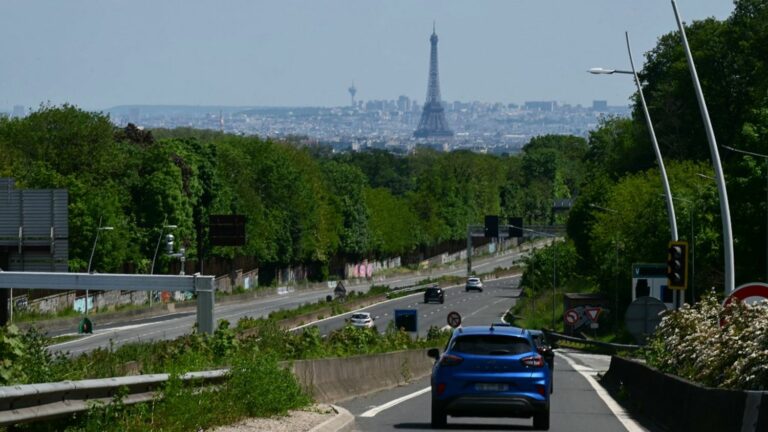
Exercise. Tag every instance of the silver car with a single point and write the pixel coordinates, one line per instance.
(474, 283)
(361, 319)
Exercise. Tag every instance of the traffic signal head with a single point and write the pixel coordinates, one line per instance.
(677, 265)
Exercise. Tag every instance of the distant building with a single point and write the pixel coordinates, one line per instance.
(548, 106)
(403, 104)
(18, 111)
(600, 105)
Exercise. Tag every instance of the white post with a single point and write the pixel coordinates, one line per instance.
(725, 212)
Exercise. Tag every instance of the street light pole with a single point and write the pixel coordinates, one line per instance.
(90, 260)
(656, 150)
(554, 266)
(154, 257)
(616, 241)
(725, 212)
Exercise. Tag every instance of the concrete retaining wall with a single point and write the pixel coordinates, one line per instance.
(680, 405)
(337, 380)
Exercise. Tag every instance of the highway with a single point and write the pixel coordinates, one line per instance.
(579, 404)
(173, 325)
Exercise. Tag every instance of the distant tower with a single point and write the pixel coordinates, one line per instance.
(352, 91)
(432, 123)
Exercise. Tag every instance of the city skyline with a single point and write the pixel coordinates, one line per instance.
(294, 53)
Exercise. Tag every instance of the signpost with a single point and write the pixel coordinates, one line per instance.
(454, 319)
(406, 319)
(571, 316)
(749, 293)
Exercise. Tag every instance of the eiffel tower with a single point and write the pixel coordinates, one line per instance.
(432, 123)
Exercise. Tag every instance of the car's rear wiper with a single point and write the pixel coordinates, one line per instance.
(499, 352)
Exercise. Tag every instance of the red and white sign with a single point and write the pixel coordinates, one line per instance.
(749, 293)
(571, 316)
(592, 313)
(454, 319)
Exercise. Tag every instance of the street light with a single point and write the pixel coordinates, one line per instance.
(659, 160)
(765, 157)
(154, 257)
(725, 212)
(616, 242)
(90, 260)
(554, 266)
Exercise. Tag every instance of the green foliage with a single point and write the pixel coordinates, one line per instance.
(11, 355)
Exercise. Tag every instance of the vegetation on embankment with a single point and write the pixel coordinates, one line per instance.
(252, 349)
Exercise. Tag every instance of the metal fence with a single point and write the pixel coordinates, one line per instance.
(25, 403)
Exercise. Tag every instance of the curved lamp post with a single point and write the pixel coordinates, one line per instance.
(659, 160)
(725, 212)
(90, 260)
(154, 257)
(554, 265)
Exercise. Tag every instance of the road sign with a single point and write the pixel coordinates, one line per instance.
(749, 293)
(406, 319)
(592, 313)
(454, 319)
(643, 316)
(227, 230)
(571, 316)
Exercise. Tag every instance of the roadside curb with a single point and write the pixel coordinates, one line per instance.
(342, 421)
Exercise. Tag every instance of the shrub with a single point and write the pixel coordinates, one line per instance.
(691, 343)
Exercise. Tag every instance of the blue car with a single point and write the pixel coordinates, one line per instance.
(490, 371)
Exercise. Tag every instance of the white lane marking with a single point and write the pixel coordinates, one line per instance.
(98, 333)
(390, 404)
(621, 414)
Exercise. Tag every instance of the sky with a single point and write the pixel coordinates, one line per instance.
(101, 53)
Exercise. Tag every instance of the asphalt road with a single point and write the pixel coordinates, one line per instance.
(579, 404)
(476, 308)
(174, 325)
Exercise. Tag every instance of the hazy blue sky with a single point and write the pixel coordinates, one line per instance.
(101, 53)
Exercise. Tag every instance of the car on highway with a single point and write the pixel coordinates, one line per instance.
(474, 283)
(544, 347)
(361, 319)
(434, 294)
(490, 371)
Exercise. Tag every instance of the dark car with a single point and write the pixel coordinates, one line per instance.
(544, 348)
(434, 294)
(490, 371)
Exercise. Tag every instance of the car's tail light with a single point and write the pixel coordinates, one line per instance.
(440, 388)
(540, 389)
(450, 360)
(533, 361)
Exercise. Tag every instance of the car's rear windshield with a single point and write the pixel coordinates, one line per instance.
(359, 316)
(491, 345)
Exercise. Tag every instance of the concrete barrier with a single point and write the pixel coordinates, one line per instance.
(340, 379)
(681, 405)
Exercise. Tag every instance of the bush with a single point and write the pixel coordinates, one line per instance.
(692, 344)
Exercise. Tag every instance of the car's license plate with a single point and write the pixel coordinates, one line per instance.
(491, 387)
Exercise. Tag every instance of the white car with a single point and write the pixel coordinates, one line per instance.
(474, 283)
(361, 319)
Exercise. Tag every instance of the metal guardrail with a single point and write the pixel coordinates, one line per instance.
(24, 403)
(616, 347)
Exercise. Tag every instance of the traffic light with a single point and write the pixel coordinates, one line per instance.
(491, 226)
(515, 227)
(677, 265)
